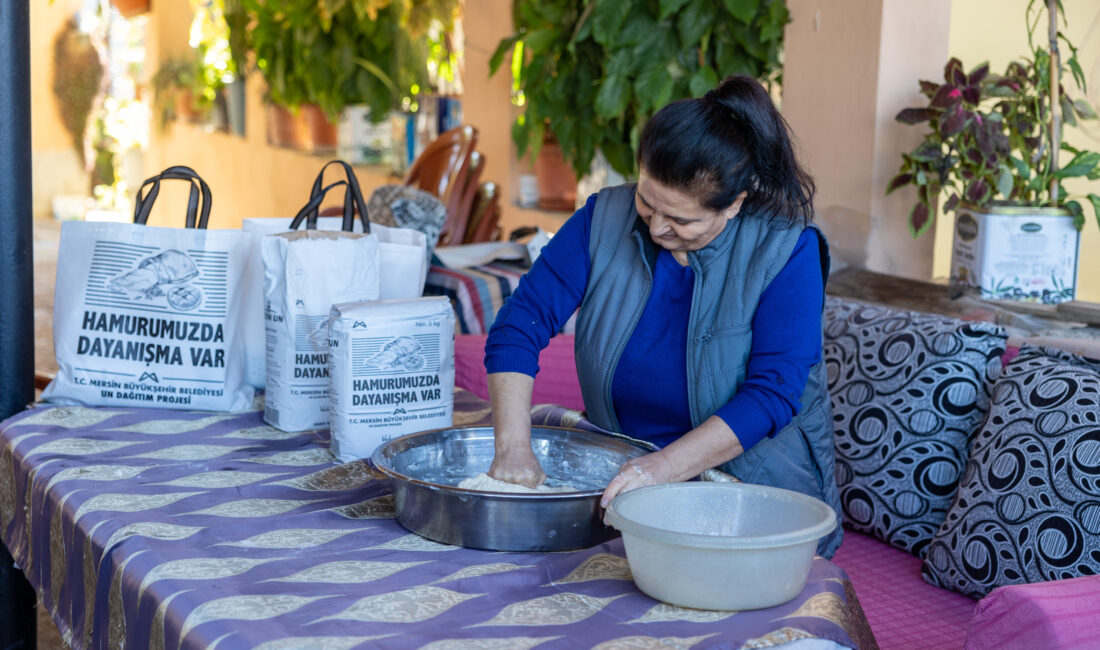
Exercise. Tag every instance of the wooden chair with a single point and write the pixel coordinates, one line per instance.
(457, 225)
(484, 215)
(442, 169)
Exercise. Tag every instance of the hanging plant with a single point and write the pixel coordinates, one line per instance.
(77, 82)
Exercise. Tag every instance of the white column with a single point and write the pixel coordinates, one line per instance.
(850, 66)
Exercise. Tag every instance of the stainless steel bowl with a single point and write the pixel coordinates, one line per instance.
(426, 468)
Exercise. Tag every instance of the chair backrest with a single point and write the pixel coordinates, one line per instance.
(442, 167)
(455, 228)
(485, 215)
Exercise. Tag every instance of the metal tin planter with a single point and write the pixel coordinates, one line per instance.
(1016, 253)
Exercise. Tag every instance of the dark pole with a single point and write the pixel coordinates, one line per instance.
(18, 623)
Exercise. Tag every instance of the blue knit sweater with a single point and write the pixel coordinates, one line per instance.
(649, 388)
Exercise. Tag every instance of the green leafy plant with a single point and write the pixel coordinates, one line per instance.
(218, 62)
(182, 85)
(192, 84)
(593, 71)
(78, 76)
(996, 137)
(236, 28)
(333, 53)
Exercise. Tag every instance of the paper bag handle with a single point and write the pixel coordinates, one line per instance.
(315, 203)
(143, 203)
(353, 200)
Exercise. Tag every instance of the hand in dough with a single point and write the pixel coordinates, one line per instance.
(518, 465)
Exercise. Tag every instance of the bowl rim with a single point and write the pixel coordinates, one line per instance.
(381, 460)
(701, 540)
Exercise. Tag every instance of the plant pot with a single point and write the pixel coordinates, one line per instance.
(322, 133)
(217, 118)
(185, 106)
(131, 8)
(309, 130)
(285, 129)
(557, 184)
(235, 106)
(1016, 253)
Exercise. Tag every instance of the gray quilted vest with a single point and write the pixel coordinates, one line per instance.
(731, 273)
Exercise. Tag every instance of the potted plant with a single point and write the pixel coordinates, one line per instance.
(592, 73)
(993, 150)
(131, 8)
(322, 56)
(221, 61)
(180, 91)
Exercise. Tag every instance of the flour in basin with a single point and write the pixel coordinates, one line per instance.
(487, 483)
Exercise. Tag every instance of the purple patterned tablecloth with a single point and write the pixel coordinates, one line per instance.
(173, 529)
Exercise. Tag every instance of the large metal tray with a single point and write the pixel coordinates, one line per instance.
(426, 468)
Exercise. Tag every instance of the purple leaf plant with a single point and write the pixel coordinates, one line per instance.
(990, 138)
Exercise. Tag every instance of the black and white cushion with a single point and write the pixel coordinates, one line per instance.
(908, 392)
(1028, 506)
(403, 206)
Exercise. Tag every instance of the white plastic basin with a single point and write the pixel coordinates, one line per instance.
(720, 546)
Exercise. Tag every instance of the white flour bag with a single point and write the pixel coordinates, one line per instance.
(305, 273)
(148, 316)
(402, 254)
(392, 371)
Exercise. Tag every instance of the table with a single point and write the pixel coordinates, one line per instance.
(178, 529)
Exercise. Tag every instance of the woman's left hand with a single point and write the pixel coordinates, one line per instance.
(651, 469)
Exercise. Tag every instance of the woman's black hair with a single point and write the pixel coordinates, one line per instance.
(732, 140)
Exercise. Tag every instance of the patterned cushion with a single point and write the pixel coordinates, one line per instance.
(908, 392)
(408, 207)
(1028, 506)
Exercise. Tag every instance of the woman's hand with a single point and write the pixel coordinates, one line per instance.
(517, 465)
(651, 469)
(708, 445)
(513, 460)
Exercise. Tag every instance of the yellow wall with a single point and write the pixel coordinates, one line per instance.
(487, 100)
(56, 167)
(995, 31)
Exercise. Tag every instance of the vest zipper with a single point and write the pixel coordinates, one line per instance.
(694, 341)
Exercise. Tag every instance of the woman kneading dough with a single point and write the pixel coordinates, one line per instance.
(700, 292)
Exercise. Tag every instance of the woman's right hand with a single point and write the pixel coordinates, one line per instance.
(517, 465)
(514, 461)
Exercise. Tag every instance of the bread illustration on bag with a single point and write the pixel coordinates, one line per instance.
(401, 352)
(161, 275)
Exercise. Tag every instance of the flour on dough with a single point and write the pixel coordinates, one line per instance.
(487, 483)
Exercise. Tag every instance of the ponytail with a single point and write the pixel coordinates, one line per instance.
(729, 141)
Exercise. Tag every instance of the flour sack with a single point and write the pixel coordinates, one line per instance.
(305, 273)
(392, 371)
